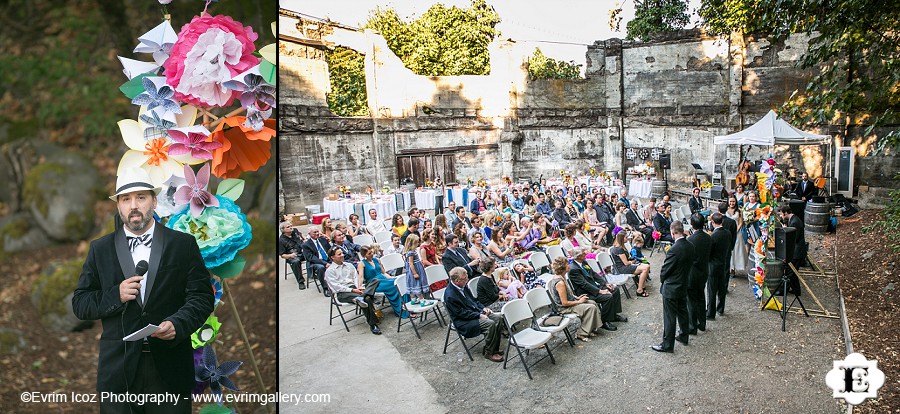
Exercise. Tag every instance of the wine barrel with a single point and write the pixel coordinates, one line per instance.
(774, 273)
(817, 217)
(658, 188)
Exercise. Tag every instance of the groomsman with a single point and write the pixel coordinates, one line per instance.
(717, 281)
(696, 290)
(674, 277)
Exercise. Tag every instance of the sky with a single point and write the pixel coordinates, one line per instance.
(545, 23)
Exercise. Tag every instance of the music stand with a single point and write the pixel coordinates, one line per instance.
(783, 288)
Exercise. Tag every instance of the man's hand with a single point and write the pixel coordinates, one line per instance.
(357, 291)
(604, 291)
(130, 288)
(483, 316)
(487, 311)
(165, 332)
(610, 286)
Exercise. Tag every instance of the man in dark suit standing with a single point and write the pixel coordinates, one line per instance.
(315, 251)
(586, 281)
(674, 277)
(469, 317)
(788, 219)
(455, 256)
(805, 189)
(729, 224)
(174, 294)
(696, 289)
(717, 282)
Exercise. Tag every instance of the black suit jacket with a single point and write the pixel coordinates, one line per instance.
(562, 217)
(585, 282)
(719, 249)
(464, 310)
(633, 219)
(311, 253)
(729, 224)
(808, 192)
(451, 260)
(700, 268)
(676, 269)
(177, 290)
(796, 223)
(661, 224)
(696, 204)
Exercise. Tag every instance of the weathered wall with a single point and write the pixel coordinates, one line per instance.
(676, 93)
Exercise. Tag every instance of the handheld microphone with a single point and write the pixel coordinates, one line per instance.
(141, 268)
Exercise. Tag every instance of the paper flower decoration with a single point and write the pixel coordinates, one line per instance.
(207, 333)
(243, 149)
(194, 143)
(158, 41)
(195, 191)
(209, 51)
(217, 289)
(216, 375)
(220, 231)
(165, 201)
(157, 94)
(256, 119)
(158, 126)
(151, 152)
(656, 235)
(255, 92)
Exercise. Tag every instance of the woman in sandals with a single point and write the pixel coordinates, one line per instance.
(566, 302)
(623, 263)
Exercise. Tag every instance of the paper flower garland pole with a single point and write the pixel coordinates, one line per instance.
(195, 191)
(209, 51)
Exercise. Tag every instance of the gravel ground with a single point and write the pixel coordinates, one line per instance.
(742, 363)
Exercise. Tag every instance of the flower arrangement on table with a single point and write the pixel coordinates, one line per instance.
(506, 180)
(469, 181)
(593, 172)
(428, 183)
(481, 183)
(210, 65)
(706, 185)
(385, 189)
(370, 191)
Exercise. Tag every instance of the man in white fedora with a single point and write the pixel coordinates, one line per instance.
(174, 293)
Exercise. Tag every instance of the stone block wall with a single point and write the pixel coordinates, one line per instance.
(676, 93)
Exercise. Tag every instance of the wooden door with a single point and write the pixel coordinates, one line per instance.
(427, 166)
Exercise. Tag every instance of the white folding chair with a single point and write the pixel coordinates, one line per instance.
(473, 286)
(539, 261)
(526, 338)
(364, 240)
(383, 236)
(392, 261)
(554, 252)
(435, 274)
(606, 261)
(385, 245)
(685, 213)
(540, 302)
(337, 304)
(414, 310)
(628, 246)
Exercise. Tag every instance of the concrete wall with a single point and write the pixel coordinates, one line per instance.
(676, 94)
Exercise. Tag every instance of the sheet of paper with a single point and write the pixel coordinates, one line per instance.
(142, 333)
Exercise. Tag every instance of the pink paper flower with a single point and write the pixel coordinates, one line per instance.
(193, 143)
(210, 50)
(195, 191)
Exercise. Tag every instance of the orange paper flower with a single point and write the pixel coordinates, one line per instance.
(156, 150)
(760, 246)
(242, 148)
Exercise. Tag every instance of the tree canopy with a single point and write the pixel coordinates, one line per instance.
(652, 17)
(543, 67)
(346, 69)
(443, 41)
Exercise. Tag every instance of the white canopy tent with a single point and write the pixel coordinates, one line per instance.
(771, 131)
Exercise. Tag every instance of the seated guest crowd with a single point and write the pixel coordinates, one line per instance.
(492, 238)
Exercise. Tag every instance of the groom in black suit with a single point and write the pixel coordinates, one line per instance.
(175, 294)
(456, 256)
(719, 253)
(674, 277)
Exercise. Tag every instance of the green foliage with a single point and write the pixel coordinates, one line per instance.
(652, 17)
(889, 224)
(346, 68)
(854, 55)
(543, 67)
(443, 41)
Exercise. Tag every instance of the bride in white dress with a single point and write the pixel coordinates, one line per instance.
(739, 256)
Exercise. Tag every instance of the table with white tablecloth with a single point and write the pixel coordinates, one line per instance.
(640, 188)
(424, 199)
(338, 209)
(384, 204)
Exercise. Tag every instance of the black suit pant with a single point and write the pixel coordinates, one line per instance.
(610, 305)
(318, 271)
(716, 288)
(674, 309)
(147, 381)
(696, 306)
(296, 267)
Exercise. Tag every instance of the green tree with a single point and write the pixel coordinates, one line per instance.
(443, 41)
(652, 17)
(854, 54)
(543, 67)
(346, 68)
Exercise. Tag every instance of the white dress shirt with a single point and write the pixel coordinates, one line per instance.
(141, 252)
